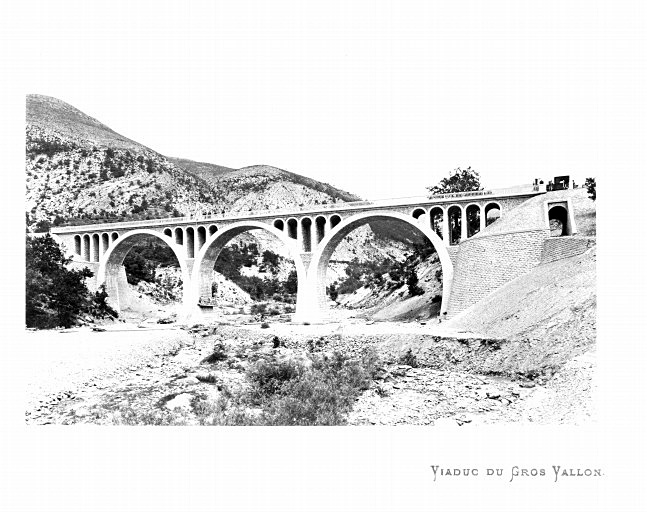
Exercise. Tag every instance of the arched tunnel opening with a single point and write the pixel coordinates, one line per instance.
(381, 269)
(558, 221)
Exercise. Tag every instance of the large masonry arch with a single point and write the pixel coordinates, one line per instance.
(111, 270)
(315, 307)
(205, 260)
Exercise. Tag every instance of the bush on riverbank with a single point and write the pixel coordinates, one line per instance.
(55, 295)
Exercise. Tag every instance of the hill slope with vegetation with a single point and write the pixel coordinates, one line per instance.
(79, 170)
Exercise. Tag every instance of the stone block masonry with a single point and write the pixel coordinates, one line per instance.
(487, 262)
(557, 248)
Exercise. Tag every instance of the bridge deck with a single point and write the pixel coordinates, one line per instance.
(521, 190)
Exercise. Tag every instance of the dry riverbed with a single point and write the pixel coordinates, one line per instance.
(157, 374)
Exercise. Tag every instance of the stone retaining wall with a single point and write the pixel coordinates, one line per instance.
(487, 262)
(557, 248)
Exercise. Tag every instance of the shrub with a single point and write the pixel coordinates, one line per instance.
(290, 285)
(265, 325)
(138, 268)
(412, 284)
(258, 309)
(55, 296)
(409, 358)
(209, 379)
(42, 226)
(99, 306)
(589, 183)
(268, 377)
(321, 394)
(219, 354)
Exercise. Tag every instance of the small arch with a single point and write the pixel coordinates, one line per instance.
(418, 212)
(213, 229)
(558, 221)
(334, 220)
(279, 224)
(179, 236)
(114, 236)
(455, 220)
(190, 242)
(292, 228)
(492, 212)
(86, 247)
(105, 242)
(320, 228)
(95, 247)
(202, 236)
(306, 234)
(77, 245)
(473, 219)
(168, 232)
(436, 220)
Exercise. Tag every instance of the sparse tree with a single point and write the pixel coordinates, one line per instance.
(412, 284)
(459, 180)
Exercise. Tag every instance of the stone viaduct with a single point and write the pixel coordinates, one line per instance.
(310, 234)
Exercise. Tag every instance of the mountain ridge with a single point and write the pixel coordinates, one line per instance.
(79, 170)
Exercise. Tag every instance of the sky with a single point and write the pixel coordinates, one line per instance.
(378, 98)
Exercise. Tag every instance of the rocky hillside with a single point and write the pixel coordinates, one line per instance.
(79, 170)
(261, 187)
